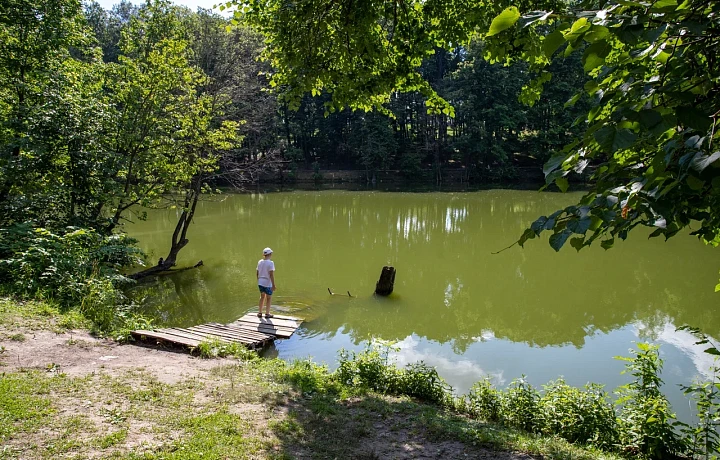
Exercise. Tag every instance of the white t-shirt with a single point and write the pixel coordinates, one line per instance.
(265, 266)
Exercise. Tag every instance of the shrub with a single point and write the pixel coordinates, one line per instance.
(74, 267)
(521, 406)
(645, 425)
(485, 401)
(215, 348)
(309, 377)
(372, 370)
(62, 265)
(423, 382)
(579, 414)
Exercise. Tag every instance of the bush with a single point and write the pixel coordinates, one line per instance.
(372, 370)
(521, 406)
(61, 264)
(645, 424)
(582, 415)
(74, 267)
(485, 401)
(310, 377)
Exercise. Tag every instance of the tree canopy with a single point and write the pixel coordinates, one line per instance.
(651, 68)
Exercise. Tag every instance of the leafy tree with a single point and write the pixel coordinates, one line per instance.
(35, 41)
(229, 57)
(652, 131)
(371, 140)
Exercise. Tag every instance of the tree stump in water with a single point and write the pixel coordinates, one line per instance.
(385, 284)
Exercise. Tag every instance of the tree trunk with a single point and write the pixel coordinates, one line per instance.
(385, 284)
(179, 239)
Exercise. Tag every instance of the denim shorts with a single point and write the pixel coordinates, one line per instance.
(266, 290)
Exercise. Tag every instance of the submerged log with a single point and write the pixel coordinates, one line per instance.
(385, 284)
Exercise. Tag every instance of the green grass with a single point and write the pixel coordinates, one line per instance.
(24, 402)
(38, 315)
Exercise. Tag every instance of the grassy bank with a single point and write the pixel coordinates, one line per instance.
(246, 408)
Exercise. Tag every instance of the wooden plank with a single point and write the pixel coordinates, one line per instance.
(180, 332)
(283, 332)
(245, 327)
(287, 317)
(244, 338)
(263, 327)
(277, 322)
(206, 335)
(168, 338)
(254, 328)
(253, 332)
(275, 316)
(258, 327)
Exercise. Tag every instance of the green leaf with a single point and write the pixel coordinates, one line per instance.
(693, 118)
(577, 242)
(539, 225)
(649, 118)
(562, 184)
(557, 240)
(712, 351)
(554, 162)
(504, 21)
(552, 42)
(612, 139)
(595, 55)
(694, 183)
(607, 244)
(579, 225)
(528, 234)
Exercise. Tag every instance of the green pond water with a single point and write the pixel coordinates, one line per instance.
(456, 306)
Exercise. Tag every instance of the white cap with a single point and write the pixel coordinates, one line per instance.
(267, 251)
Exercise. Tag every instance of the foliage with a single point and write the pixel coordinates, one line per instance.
(583, 415)
(61, 265)
(521, 406)
(310, 377)
(485, 401)
(216, 348)
(703, 438)
(645, 423)
(652, 131)
(371, 369)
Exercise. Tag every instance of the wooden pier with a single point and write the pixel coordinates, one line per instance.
(250, 330)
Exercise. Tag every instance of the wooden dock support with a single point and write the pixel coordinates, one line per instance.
(386, 283)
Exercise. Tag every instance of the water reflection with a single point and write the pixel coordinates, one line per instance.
(520, 311)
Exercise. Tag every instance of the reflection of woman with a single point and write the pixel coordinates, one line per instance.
(266, 281)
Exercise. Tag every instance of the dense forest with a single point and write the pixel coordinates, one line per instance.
(492, 133)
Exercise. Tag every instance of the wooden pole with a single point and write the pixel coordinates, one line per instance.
(385, 284)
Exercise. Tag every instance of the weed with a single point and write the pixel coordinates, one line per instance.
(216, 348)
(112, 439)
(17, 337)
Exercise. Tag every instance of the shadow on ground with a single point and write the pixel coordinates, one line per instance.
(378, 427)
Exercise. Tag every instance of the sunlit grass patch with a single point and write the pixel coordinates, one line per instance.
(39, 315)
(216, 435)
(24, 402)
